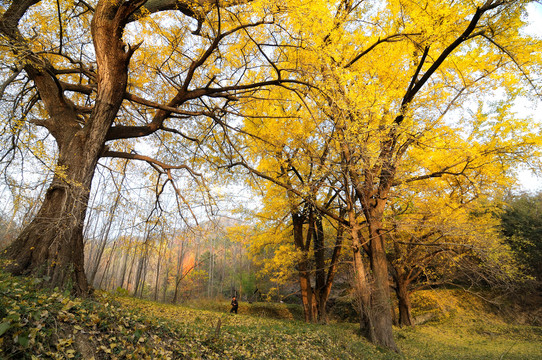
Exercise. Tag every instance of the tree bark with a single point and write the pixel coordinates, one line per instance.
(51, 245)
(320, 270)
(403, 297)
(362, 283)
(307, 295)
(381, 302)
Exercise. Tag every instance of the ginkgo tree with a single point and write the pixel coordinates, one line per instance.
(377, 84)
(298, 234)
(94, 74)
(437, 235)
(395, 92)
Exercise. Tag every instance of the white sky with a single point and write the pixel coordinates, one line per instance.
(530, 181)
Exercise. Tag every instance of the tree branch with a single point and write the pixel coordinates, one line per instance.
(131, 156)
(298, 193)
(391, 38)
(511, 56)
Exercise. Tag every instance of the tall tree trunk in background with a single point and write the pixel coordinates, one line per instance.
(403, 297)
(105, 235)
(320, 268)
(211, 270)
(142, 267)
(322, 293)
(125, 262)
(179, 275)
(97, 258)
(303, 267)
(131, 269)
(158, 265)
(143, 277)
(51, 245)
(165, 284)
(110, 267)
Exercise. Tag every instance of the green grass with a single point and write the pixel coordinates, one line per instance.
(466, 328)
(48, 324)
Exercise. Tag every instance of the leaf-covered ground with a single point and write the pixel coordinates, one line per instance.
(41, 324)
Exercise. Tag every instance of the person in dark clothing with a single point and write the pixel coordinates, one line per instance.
(234, 305)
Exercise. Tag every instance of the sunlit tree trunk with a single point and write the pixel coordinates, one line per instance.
(162, 247)
(179, 275)
(381, 297)
(403, 297)
(362, 283)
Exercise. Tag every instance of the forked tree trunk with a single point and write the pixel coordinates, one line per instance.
(372, 289)
(51, 245)
(363, 288)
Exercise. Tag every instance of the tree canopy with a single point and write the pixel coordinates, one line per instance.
(390, 122)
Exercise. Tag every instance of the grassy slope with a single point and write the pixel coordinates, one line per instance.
(466, 328)
(53, 325)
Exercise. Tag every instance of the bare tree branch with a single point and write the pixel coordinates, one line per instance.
(164, 166)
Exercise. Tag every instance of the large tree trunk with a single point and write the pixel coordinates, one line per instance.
(307, 296)
(362, 285)
(381, 302)
(51, 245)
(373, 292)
(373, 208)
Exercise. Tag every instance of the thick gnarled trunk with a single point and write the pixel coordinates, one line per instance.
(376, 322)
(51, 245)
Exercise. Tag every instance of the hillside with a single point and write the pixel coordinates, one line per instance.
(47, 324)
